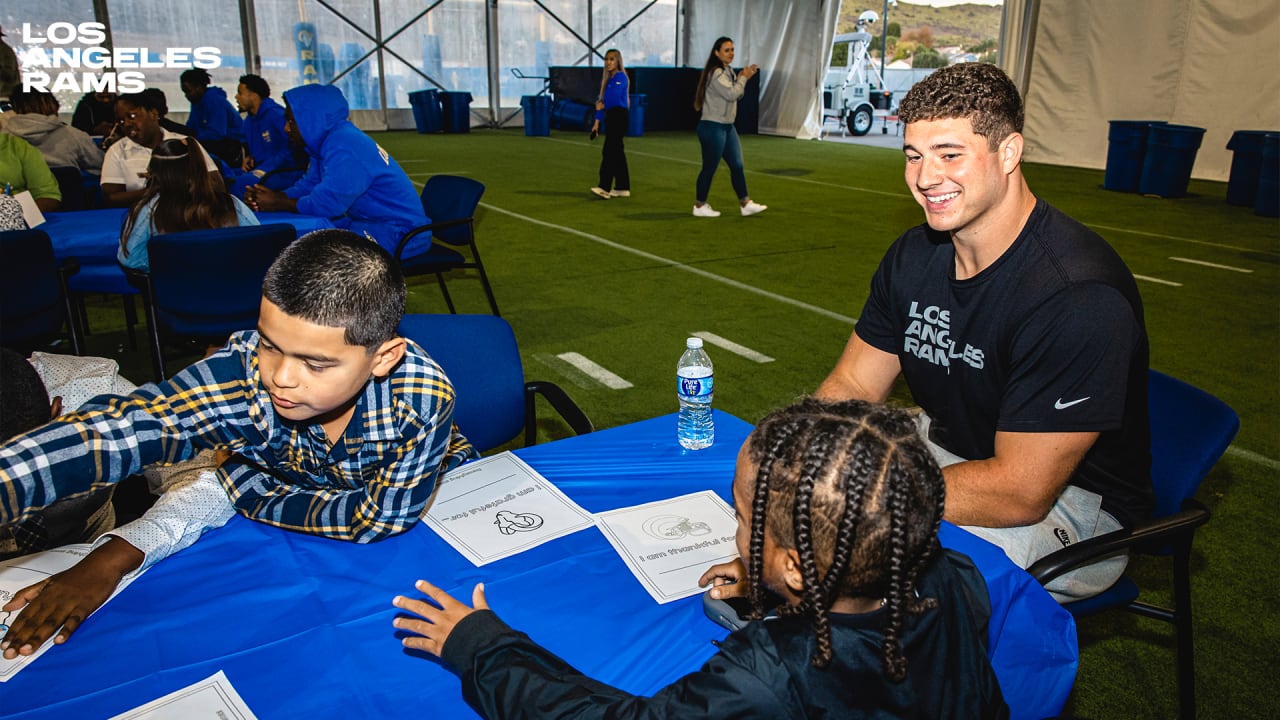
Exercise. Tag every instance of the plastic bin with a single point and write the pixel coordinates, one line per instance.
(635, 115)
(1171, 152)
(456, 107)
(1246, 162)
(1268, 203)
(426, 110)
(1126, 149)
(569, 115)
(537, 114)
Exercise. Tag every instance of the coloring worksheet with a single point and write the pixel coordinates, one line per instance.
(669, 544)
(27, 570)
(213, 698)
(499, 506)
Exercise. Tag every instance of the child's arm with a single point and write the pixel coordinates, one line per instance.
(506, 674)
(187, 509)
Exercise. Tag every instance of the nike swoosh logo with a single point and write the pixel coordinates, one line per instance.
(1059, 405)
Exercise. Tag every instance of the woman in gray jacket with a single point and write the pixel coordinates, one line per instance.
(717, 99)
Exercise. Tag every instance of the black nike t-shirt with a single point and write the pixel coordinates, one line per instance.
(1048, 338)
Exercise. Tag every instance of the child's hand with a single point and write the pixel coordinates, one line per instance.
(436, 622)
(61, 603)
(727, 579)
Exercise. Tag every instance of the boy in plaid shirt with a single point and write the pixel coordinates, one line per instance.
(333, 424)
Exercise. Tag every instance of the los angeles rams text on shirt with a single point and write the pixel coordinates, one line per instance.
(928, 337)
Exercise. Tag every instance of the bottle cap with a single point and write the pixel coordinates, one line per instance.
(693, 343)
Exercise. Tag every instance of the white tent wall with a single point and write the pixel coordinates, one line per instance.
(1208, 63)
(790, 41)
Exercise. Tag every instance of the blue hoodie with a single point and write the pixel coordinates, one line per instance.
(351, 180)
(268, 144)
(214, 117)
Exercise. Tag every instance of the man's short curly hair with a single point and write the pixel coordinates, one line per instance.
(980, 92)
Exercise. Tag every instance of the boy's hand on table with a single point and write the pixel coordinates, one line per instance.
(727, 579)
(66, 599)
(431, 632)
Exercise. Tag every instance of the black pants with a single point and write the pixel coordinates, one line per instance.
(613, 160)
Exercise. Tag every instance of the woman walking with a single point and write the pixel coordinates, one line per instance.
(717, 99)
(611, 107)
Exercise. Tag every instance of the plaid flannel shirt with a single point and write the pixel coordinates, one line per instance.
(373, 482)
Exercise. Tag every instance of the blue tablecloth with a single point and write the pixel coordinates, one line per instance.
(302, 625)
(93, 236)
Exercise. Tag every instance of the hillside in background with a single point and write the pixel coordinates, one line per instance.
(962, 25)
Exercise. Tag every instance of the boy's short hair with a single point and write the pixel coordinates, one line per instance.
(256, 85)
(980, 92)
(24, 401)
(337, 278)
(149, 99)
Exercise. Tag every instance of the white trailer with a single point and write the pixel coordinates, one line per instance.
(855, 94)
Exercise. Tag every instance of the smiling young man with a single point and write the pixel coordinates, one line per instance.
(1019, 332)
(334, 425)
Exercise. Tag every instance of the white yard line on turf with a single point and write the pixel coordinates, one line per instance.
(1211, 265)
(733, 347)
(595, 371)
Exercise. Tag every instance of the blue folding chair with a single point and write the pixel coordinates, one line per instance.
(207, 284)
(1190, 429)
(36, 300)
(450, 203)
(480, 356)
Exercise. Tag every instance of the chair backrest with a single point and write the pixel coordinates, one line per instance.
(480, 356)
(209, 282)
(71, 185)
(1190, 429)
(33, 306)
(449, 197)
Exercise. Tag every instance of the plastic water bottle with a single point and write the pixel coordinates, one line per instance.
(696, 383)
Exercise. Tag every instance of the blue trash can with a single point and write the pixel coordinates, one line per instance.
(426, 110)
(537, 114)
(1171, 152)
(456, 111)
(635, 115)
(1126, 148)
(569, 115)
(1246, 162)
(1268, 204)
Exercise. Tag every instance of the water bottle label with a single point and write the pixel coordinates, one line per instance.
(696, 388)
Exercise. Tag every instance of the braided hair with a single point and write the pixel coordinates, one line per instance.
(852, 489)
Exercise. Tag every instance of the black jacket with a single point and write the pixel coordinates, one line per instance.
(762, 670)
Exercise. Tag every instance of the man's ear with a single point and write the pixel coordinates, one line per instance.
(1011, 152)
(791, 573)
(387, 356)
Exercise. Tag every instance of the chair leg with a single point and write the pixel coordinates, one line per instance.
(153, 329)
(445, 289)
(484, 279)
(1183, 631)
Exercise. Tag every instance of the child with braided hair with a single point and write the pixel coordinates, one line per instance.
(838, 508)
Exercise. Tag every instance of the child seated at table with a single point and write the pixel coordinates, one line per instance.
(336, 426)
(180, 195)
(838, 509)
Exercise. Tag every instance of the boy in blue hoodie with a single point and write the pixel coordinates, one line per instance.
(215, 122)
(270, 158)
(351, 179)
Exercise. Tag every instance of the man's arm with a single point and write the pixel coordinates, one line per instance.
(863, 372)
(1019, 484)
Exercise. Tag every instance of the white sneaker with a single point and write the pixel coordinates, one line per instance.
(704, 210)
(619, 193)
(600, 192)
(752, 207)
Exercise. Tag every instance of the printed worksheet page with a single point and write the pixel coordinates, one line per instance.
(669, 544)
(213, 698)
(499, 506)
(28, 570)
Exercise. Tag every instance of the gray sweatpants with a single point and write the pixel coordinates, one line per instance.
(1076, 516)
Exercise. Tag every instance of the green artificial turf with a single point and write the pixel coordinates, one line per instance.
(624, 281)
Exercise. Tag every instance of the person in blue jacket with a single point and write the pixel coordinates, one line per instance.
(215, 122)
(612, 107)
(270, 159)
(351, 180)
